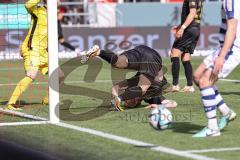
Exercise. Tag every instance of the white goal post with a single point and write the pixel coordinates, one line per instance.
(53, 61)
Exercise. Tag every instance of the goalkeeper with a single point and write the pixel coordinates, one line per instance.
(33, 50)
(146, 85)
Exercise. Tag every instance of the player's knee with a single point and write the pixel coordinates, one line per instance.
(175, 53)
(185, 57)
(196, 78)
(32, 74)
(204, 82)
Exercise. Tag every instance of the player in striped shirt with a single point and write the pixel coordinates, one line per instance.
(219, 65)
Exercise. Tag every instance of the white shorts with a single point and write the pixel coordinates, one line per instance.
(232, 60)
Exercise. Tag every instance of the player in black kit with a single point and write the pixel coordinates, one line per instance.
(187, 35)
(146, 85)
(60, 34)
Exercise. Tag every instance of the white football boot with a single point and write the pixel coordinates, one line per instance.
(93, 52)
(188, 89)
(207, 132)
(175, 88)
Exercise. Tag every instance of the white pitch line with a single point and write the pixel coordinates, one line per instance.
(97, 81)
(230, 80)
(213, 150)
(22, 123)
(135, 142)
(67, 82)
(20, 114)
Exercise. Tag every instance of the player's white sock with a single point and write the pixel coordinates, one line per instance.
(221, 105)
(210, 105)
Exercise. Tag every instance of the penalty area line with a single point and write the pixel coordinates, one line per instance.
(213, 150)
(133, 142)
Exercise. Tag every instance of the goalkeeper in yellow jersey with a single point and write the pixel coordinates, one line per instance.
(33, 50)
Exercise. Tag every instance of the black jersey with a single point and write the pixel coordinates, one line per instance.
(187, 5)
(144, 59)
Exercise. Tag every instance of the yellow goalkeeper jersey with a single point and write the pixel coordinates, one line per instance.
(36, 38)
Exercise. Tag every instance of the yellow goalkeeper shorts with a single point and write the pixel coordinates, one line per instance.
(36, 60)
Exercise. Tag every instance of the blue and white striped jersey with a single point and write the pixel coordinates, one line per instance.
(230, 9)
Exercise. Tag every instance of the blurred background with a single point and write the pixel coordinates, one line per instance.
(111, 23)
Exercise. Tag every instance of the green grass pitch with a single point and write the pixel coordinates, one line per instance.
(85, 103)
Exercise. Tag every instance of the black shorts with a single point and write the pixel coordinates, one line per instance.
(144, 60)
(188, 42)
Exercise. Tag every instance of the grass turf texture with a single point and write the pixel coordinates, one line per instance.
(85, 97)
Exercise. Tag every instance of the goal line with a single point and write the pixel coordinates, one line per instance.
(36, 119)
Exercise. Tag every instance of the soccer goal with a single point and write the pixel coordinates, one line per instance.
(15, 21)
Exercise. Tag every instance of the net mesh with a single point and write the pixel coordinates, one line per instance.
(14, 25)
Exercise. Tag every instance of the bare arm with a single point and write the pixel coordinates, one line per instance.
(190, 17)
(229, 37)
(118, 87)
(188, 21)
(228, 42)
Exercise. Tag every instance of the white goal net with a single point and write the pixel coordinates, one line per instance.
(24, 96)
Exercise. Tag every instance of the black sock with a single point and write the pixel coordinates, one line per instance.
(68, 45)
(188, 72)
(131, 93)
(175, 69)
(108, 56)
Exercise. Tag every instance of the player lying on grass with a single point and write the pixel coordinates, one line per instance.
(33, 50)
(146, 85)
(153, 95)
(219, 65)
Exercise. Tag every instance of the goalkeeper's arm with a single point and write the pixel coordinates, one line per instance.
(30, 4)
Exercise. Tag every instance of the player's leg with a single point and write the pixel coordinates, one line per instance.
(66, 44)
(115, 60)
(231, 62)
(206, 86)
(207, 89)
(31, 63)
(198, 73)
(175, 55)
(186, 61)
(109, 56)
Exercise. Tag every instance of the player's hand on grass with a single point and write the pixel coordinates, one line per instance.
(150, 106)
